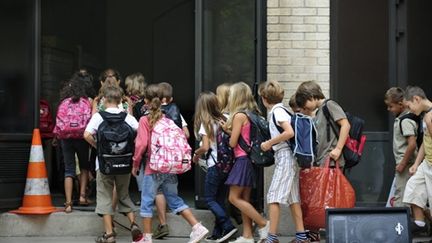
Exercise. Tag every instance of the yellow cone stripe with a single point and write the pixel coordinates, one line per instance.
(38, 186)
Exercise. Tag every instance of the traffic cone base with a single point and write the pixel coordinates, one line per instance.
(37, 198)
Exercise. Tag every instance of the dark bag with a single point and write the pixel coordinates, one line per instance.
(172, 112)
(259, 133)
(304, 143)
(354, 145)
(46, 122)
(419, 121)
(115, 144)
(225, 154)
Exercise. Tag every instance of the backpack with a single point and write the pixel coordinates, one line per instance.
(170, 152)
(46, 123)
(354, 145)
(115, 144)
(140, 109)
(72, 118)
(304, 143)
(259, 133)
(172, 112)
(225, 154)
(419, 121)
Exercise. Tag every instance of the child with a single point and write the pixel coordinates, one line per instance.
(153, 180)
(310, 98)
(404, 141)
(417, 190)
(106, 183)
(284, 188)
(222, 93)
(241, 179)
(207, 117)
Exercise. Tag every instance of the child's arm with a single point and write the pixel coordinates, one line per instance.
(184, 127)
(343, 136)
(94, 105)
(90, 139)
(411, 147)
(419, 159)
(141, 143)
(287, 133)
(205, 145)
(238, 120)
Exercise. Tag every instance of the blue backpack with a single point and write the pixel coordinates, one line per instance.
(304, 143)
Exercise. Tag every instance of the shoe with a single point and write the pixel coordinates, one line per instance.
(300, 241)
(241, 239)
(198, 233)
(418, 230)
(263, 232)
(68, 207)
(212, 238)
(144, 239)
(106, 238)
(161, 231)
(226, 234)
(313, 236)
(136, 233)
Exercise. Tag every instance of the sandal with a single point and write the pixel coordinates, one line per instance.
(106, 238)
(68, 207)
(84, 202)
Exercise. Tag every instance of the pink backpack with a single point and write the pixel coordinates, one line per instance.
(72, 118)
(170, 151)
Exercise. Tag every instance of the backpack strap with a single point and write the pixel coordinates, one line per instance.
(410, 116)
(330, 121)
(241, 141)
(279, 128)
(113, 117)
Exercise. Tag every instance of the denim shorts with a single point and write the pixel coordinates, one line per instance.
(69, 148)
(168, 183)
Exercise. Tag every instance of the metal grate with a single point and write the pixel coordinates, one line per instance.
(13, 161)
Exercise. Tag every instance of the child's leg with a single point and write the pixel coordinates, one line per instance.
(82, 150)
(161, 207)
(297, 216)
(107, 220)
(274, 213)
(69, 173)
(401, 181)
(104, 188)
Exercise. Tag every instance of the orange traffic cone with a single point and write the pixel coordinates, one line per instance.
(37, 198)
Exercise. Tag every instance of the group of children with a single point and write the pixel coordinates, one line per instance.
(226, 111)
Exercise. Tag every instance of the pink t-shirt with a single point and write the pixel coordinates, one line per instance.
(245, 133)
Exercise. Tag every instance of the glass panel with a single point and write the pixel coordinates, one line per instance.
(16, 66)
(228, 42)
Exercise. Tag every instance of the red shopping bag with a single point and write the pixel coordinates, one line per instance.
(321, 188)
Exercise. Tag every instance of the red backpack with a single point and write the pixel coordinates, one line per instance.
(72, 118)
(46, 124)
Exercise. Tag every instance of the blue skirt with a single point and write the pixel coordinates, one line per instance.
(242, 173)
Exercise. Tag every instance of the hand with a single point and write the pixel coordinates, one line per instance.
(335, 153)
(224, 127)
(135, 171)
(54, 142)
(400, 168)
(413, 169)
(265, 146)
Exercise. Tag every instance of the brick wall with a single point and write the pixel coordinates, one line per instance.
(298, 34)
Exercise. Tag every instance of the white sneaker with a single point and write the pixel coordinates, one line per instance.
(263, 232)
(147, 238)
(241, 239)
(198, 233)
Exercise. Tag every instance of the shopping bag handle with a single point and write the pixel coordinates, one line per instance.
(327, 162)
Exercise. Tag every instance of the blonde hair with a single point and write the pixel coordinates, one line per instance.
(272, 91)
(112, 93)
(154, 95)
(207, 113)
(222, 93)
(240, 99)
(135, 84)
(394, 95)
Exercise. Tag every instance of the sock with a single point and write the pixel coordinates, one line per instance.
(420, 223)
(148, 236)
(301, 235)
(271, 238)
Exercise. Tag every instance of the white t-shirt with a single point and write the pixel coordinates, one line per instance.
(97, 119)
(280, 116)
(213, 146)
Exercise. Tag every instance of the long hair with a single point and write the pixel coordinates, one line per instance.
(74, 88)
(154, 95)
(135, 84)
(207, 113)
(222, 93)
(240, 99)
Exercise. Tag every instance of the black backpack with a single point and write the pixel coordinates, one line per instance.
(259, 133)
(419, 121)
(172, 112)
(115, 144)
(353, 149)
(140, 109)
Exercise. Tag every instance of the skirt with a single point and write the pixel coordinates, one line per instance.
(242, 173)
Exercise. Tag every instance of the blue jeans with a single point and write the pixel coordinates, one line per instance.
(168, 183)
(215, 194)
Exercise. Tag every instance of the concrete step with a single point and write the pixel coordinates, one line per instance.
(85, 223)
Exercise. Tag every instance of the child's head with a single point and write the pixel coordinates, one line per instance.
(135, 84)
(207, 112)
(74, 88)
(167, 92)
(271, 93)
(222, 93)
(153, 95)
(113, 94)
(293, 105)
(394, 99)
(241, 98)
(414, 97)
(111, 76)
(308, 94)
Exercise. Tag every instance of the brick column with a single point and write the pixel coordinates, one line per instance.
(298, 35)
